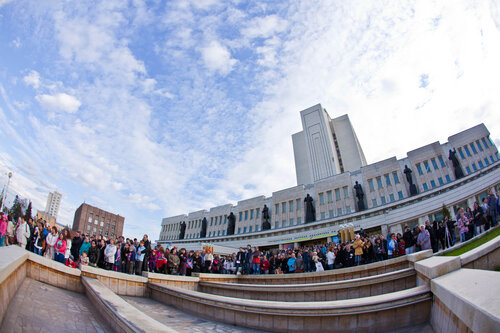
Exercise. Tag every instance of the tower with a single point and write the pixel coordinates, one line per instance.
(53, 203)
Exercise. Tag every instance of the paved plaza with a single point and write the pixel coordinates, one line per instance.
(39, 307)
(181, 321)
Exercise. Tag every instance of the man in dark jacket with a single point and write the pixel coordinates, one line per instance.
(147, 245)
(409, 241)
(76, 243)
(240, 260)
(248, 260)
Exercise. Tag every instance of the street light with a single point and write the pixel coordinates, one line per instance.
(6, 190)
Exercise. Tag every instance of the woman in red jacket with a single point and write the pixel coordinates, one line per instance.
(60, 248)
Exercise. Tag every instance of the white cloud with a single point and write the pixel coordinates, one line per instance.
(59, 102)
(264, 26)
(217, 58)
(4, 2)
(32, 79)
(16, 42)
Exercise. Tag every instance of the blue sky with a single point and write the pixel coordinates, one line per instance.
(158, 108)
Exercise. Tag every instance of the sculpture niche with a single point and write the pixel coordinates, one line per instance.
(310, 210)
(459, 173)
(203, 231)
(359, 194)
(182, 230)
(231, 224)
(413, 188)
(266, 224)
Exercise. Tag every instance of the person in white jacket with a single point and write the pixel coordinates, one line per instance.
(51, 242)
(109, 254)
(67, 236)
(22, 233)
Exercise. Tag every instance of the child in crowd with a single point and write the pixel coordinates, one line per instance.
(84, 259)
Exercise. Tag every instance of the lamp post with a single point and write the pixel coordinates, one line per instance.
(6, 190)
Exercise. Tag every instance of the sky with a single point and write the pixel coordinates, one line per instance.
(160, 108)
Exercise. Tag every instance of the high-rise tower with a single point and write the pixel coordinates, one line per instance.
(53, 203)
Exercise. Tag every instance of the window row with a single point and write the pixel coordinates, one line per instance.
(476, 147)
(290, 206)
(427, 167)
(386, 180)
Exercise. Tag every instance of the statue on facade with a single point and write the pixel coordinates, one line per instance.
(231, 224)
(182, 230)
(203, 231)
(359, 194)
(266, 224)
(459, 173)
(310, 210)
(413, 188)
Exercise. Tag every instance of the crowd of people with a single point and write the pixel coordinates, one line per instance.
(134, 256)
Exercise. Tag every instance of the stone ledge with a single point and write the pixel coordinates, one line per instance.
(325, 308)
(437, 266)
(480, 251)
(168, 277)
(472, 295)
(57, 266)
(112, 274)
(11, 257)
(351, 283)
(417, 256)
(122, 316)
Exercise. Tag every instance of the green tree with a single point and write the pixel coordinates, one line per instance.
(16, 209)
(446, 212)
(27, 215)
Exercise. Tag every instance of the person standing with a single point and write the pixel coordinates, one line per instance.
(60, 248)
(3, 228)
(109, 254)
(409, 241)
(358, 250)
(76, 243)
(478, 218)
(22, 233)
(256, 261)
(463, 225)
(291, 263)
(492, 208)
(424, 239)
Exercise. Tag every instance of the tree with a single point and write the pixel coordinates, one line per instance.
(446, 212)
(27, 216)
(16, 209)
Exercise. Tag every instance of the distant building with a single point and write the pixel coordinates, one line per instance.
(53, 204)
(91, 220)
(46, 217)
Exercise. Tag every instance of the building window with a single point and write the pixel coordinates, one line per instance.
(440, 180)
(433, 183)
(283, 207)
(425, 187)
(339, 211)
(299, 220)
(484, 143)
(474, 166)
(448, 179)
(441, 161)
(391, 197)
(292, 221)
(283, 223)
(374, 202)
(277, 210)
(337, 194)
(107, 226)
(387, 180)
(348, 209)
(100, 231)
(461, 153)
(400, 195)
(96, 221)
(90, 219)
(102, 223)
(467, 169)
(251, 214)
(223, 233)
(246, 215)
(480, 164)
(88, 227)
(323, 215)
(297, 204)
(244, 230)
(257, 228)
(241, 216)
(276, 225)
(250, 229)
(383, 200)
(239, 230)
(396, 177)
(419, 169)
(95, 229)
(330, 213)
(473, 147)
(257, 213)
(370, 184)
(218, 233)
(434, 164)
(225, 219)
(467, 151)
(346, 192)
(290, 205)
(426, 166)
(321, 199)
(379, 182)
(329, 195)
(479, 145)
(486, 161)
(106, 233)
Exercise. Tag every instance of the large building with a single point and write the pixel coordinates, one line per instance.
(53, 204)
(389, 200)
(46, 217)
(91, 220)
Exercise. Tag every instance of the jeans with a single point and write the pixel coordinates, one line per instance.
(38, 250)
(256, 268)
(331, 266)
(410, 250)
(138, 267)
(357, 259)
(463, 236)
(59, 257)
(2, 239)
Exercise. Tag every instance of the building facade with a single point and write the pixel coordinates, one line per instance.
(53, 204)
(388, 203)
(46, 217)
(91, 220)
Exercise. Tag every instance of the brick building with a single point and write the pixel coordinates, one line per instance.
(91, 220)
